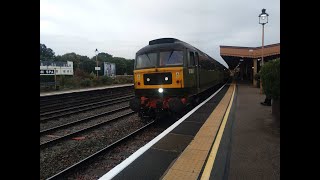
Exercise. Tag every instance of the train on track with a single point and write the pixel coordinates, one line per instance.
(170, 74)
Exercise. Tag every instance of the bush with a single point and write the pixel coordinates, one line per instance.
(95, 81)
(85, 82)
(73, 82)
(106, 80)
(270, 77)
(81, 74)
(125, 79)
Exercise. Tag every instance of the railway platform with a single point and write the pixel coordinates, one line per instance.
(82, 90)
(229, 136)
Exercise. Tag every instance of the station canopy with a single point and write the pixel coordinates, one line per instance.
(232, 54)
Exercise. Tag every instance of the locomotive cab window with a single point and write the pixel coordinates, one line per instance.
(191, 59)
(171, 58)
(146, 60)
(196, 58)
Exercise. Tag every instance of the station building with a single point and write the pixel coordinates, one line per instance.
(247, 60)
(56, 68)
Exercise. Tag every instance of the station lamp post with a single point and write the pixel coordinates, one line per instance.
(97, 68)
(263, 19)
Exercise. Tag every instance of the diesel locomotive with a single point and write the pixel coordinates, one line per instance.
(169, 74)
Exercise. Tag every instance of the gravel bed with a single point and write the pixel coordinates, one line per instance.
(81, 115)
(110, 159)
(58, 157)
(77, 127)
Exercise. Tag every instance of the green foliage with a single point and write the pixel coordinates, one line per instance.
(103, 57)
(92, 76)
(73, 82)
(121, 66)
(85, 82)
(130, 66)
(87, 66)
(270, 77)
(81, 74)
(46, 79)
(46, 54)
(106, 80)
(96, 81)
(75, 58)
(123, 79)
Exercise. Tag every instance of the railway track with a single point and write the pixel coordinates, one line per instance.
(93, 156)
(44, 117)
(49, 130)
(61, 138)
(61, 104)
(76, 95)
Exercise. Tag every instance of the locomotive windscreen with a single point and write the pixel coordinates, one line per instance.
(147, 60)
(166, 58)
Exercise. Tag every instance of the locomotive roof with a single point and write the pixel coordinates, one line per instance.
(170, 43)
(165, 43)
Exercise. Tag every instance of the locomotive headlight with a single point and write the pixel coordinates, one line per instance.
(160, 90)
(166, 78)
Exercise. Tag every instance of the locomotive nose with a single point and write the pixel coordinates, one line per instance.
(135, 104)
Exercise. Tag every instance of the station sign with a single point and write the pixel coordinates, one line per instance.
(97, 68)
(47, 72)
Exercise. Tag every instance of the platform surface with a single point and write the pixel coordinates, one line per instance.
(255, 144)
(236, 130)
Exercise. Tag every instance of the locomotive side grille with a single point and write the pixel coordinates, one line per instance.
(157, 78)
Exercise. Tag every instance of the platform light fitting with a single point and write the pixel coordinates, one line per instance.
(263, 17)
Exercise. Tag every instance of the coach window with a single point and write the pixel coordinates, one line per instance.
(191, 59)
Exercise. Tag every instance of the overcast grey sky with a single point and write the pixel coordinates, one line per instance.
(122, 27)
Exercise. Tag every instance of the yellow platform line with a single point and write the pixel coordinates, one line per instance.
(209, 165)
(190, 162)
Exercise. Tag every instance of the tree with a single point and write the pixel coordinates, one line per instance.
(75, 58)
(104, 56)
(46, 54)
(130, 66)
(88, 66)
(121, 66)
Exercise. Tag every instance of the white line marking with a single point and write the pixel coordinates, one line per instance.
(116, 170)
